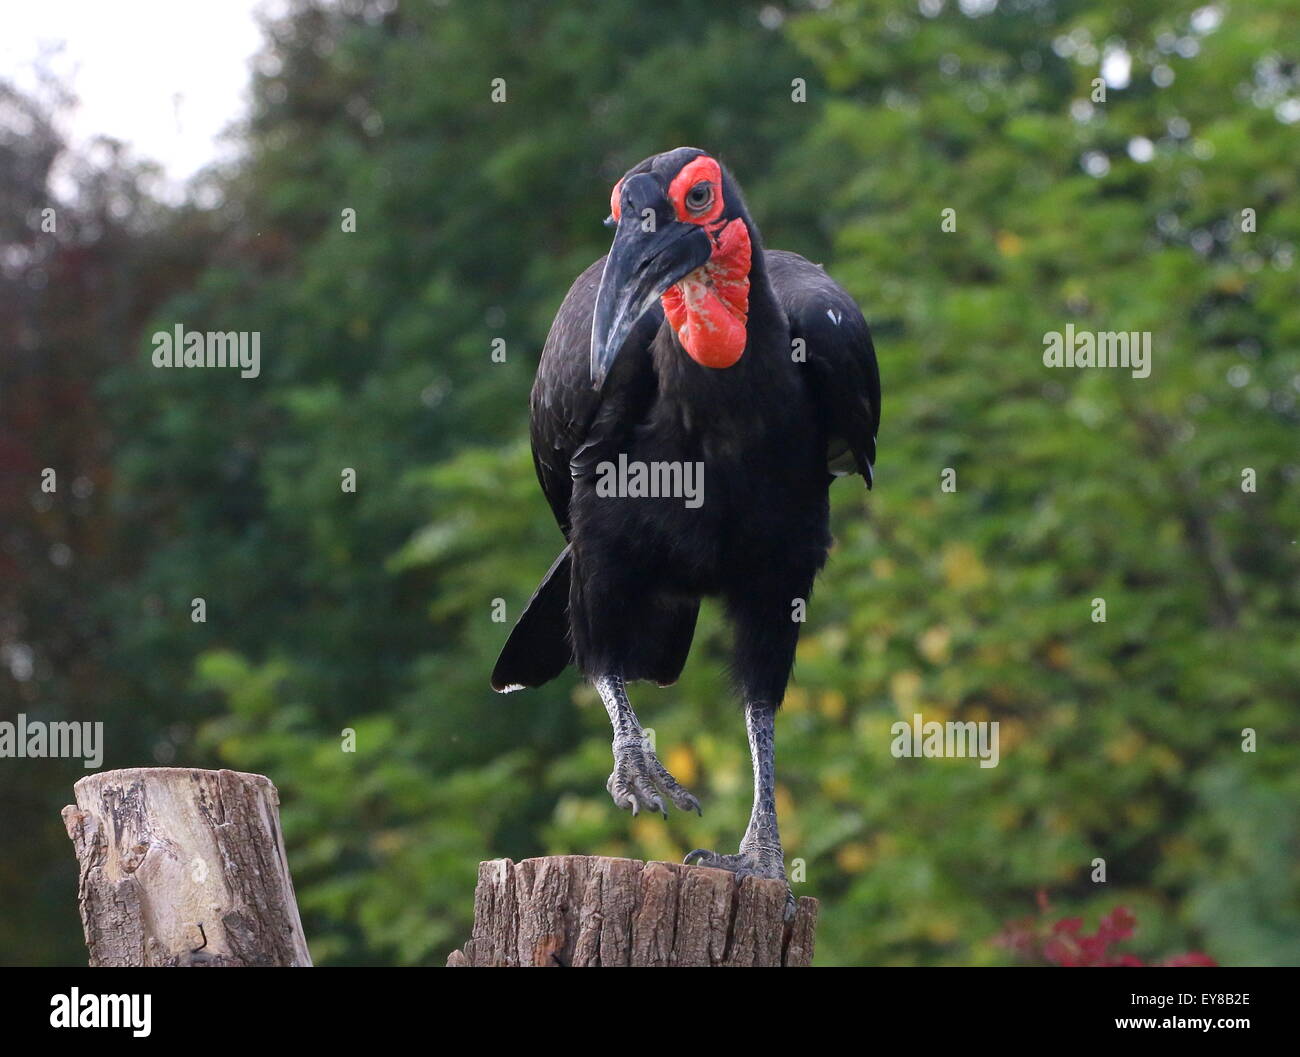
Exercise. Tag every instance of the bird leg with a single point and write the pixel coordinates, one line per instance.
(760, 852)
(638, 780)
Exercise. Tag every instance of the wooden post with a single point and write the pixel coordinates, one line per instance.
(576, 910)
(183, 867)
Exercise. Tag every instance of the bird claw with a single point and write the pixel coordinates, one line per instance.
(639, 781)
(746, 864)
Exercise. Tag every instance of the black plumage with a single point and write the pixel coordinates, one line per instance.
(799, 406)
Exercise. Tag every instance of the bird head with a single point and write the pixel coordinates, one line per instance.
(681, 237)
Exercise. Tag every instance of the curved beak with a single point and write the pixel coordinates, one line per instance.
(641, 265)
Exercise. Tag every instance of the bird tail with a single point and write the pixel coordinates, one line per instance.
(538, 648)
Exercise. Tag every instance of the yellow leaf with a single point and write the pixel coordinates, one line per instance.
(1166, 760)
(1059, 822)
(1010, 244)
(836, 786)
(681, 763)
(648, 831)
(832, 704)
(1011, 732)
(853, 858)
(796, 700)
(962, 566)
(934, 644)
(1125, 749)
(941, 930)
(905, 686)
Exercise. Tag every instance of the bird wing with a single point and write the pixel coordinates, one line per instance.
(568, 416)
(842, 372)
(574, 427)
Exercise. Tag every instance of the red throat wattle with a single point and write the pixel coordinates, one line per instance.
(708, 309)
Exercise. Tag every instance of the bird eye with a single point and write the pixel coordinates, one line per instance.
(699, 197)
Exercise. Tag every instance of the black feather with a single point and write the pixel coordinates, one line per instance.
(623, 596)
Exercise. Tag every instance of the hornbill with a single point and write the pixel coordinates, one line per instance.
(689, 345)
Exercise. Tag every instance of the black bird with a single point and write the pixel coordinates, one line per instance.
(695, 398)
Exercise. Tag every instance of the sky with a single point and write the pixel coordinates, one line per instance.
(166, 76)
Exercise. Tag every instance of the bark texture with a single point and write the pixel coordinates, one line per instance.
(577, 910)
(183, 867)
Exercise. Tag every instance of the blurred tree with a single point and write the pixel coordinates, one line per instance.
(86, 254)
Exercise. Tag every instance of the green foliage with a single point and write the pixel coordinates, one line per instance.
(1122, 739)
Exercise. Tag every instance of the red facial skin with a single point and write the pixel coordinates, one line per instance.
(701, 170)
(708, 309)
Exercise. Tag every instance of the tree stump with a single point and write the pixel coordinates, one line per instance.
(183, 867)
(578, 910)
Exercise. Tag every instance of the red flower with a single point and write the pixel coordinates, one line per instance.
(1117, 925)
(1063, 942)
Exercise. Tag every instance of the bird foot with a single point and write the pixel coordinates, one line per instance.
(639, 781)
(756, 863)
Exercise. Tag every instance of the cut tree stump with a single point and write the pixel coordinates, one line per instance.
(579, 910)
(183, 867)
